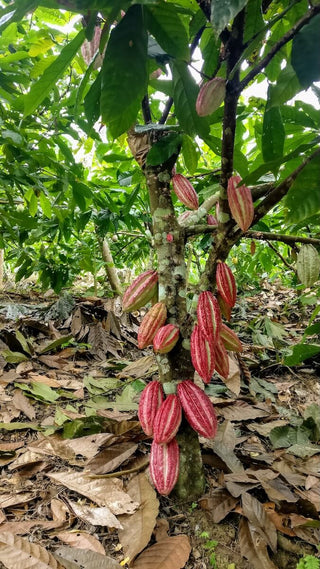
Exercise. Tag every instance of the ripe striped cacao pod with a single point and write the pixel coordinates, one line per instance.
(150, 400)
(166, 339)
(308, 265)
(202, 354)
(167, 420)
(224, 308)
(143, 288)
(210, 96)
(222, 360)
(211, 220)
(185, 191)
(151, 323)
(226, 284)
(230, 339)
(164, 466)
(240, 203)
(209, 316)
(198, 409)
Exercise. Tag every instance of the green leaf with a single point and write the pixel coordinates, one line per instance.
(39, 391)
(162, 150)
(303, 450)
(273, 134)
(190, 154)
(286, 436)
(15, 12)
(300, 353)
(302, 199)
(185, 92)
(13, 357)
(124, 72)
(287, 87)
(254, 22)
(210, 49)
(92, 101)
(223, 12)
(51, 75)
(167, 27)
(312, 330)
(56, 344)
(305, 56)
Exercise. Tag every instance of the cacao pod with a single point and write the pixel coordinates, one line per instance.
(210, 96)
(185, 191)
(226, 284)
(164, 466)
(211, 220)
(230, 339)
(222, 360)
(308, 265)
(183, 218)
(240, 203)
(143, 288)
(198, 409)
(167, 420)
(202, 354)
(209, 316)
(224, 308)
(150, 401)
(165, 339)
(151, 323)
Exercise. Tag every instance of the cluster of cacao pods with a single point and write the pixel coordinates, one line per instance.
(160, 418)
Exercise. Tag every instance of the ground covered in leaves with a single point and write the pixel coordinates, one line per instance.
(74, 486)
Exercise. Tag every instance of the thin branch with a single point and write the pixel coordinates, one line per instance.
(277, 46)
(146, 110)
(285, 262)
(288, 239)
(216, 171)
(201, 229)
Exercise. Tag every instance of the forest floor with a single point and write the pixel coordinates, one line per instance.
(74, 486)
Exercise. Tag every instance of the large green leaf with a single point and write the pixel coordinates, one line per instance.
(300, 353)
(51, 75)
(190, 154)
(223, 12)
(15, 12)
(273, 134)
(287, 87)
(124, 72)
(303, 198)
(305, 56)
(254, 22)
(161, 151)
(185, 92)
(167, 27)
(210, 49)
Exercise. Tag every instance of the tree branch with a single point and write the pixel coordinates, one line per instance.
(277, 46)
(285, 262)
(146, 110)
(288, 239)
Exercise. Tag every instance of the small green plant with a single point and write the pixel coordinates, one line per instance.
(309, 562)
(210, 545)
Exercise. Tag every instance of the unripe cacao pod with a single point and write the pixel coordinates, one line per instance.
(211, 220)
(209, 316)
(151, 323)
(150, 401)
(185, 191)
(143, 288)
(167, 420)
(240, 203)
(222, 360)
(89, 49)
(202, 354)
(230, 339)
(198, 409)
(166, 338)
(226, 284)
(224, 308)
(210, 96)
(164, 466)
(308, 265)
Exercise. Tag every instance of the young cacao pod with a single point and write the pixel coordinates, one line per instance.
(209, 316)
(165, 339)
(202, 354)
(151, 323)
(164, 466)
(222, 360)
(226, 284)
(143, 288)
(185, 191)
(150, 400)
(230, 339)
(308, 265)
(198, 409)
(224, 308)
(211, 220)
(167, 420)
(240, 203)
(210, 96)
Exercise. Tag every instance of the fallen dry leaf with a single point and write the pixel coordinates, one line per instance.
(253, 547)
(8, 500)
(146, 365)
(219, 503)
(169, 553)
(256, 514)
(81, 540)
(74, 558)
(242, 411)
(95, 516)
(21, 402)
(19, 552)
(111, 458)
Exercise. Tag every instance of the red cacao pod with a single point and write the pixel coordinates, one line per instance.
(164, 466)
(240, 203)
(202, 354)
(222, 360)
(211, 220)
(150, 401)
(210, 96)
(143, 288)
(198, 409)
(185, 191)
(230, 339)
(167, 420)
(226, 284)
(166, 338)
(151, 323)
(209, 316)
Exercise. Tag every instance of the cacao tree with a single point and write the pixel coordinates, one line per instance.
(179, 80)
